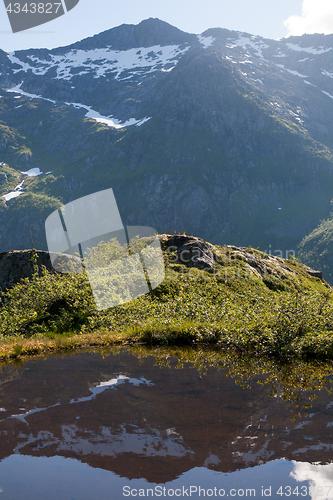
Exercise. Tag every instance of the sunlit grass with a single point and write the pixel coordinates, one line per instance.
(228, 307)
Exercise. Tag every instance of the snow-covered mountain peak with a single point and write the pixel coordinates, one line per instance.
(132, 59)
(102, 62)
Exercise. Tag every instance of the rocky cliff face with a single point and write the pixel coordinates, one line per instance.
(225, 135)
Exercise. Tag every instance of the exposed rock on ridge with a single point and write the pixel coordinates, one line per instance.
(195, 252)
(18, 264)
(182, 249)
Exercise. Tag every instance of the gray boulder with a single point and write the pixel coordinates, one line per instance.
(193, 252)
(18, 264)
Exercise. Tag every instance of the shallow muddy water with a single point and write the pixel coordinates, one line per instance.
(115, 424)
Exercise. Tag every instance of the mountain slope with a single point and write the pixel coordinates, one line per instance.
(207, 134)
(316, 248)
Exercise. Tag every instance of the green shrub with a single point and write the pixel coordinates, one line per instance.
(290, 317)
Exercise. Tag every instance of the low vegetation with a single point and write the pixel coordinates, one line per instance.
(290, 316)
(316, 248)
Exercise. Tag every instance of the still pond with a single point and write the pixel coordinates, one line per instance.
(161, 423)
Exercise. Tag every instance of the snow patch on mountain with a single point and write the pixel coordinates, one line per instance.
(206, 41)
(310, 50)
(33, 172)
(296, 73)
(327, 73)
(308, 83)
(167, 70)
(144, 120)
(91, 113)
(108, 120)
(103, 62)
(230, 59)
(18, 190)
(244, 42)
(13, 194)
(257, 80)
(18, 90)
(326, 93)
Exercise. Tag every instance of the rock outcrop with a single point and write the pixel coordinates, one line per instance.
(191, 251)
(195, 252)
(19, 264)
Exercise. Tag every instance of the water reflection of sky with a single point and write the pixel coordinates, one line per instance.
(68, 479)
(320, 478)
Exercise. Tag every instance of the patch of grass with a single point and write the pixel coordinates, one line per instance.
(33, 201)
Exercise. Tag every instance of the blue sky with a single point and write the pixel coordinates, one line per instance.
(271, 19)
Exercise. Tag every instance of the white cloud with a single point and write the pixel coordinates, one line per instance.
(317, 17)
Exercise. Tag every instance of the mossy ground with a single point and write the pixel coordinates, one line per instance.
(227, 307)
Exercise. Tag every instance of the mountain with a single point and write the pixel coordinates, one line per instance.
(225, 135)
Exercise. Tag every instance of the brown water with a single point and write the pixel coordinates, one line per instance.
(112, 425)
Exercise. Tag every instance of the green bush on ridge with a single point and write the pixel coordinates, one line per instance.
(222, 307)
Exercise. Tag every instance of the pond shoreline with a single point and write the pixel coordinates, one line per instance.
(21, 347)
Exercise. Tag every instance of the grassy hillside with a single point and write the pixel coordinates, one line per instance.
(316, 248)
(248, 301)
